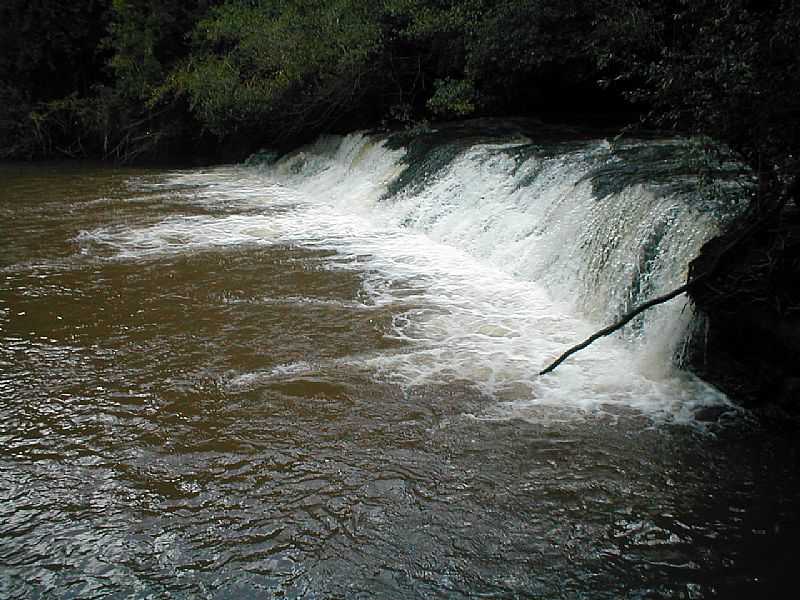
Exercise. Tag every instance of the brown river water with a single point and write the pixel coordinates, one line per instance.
(195, 403)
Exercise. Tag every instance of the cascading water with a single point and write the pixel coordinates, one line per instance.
(500, 254)
(494, 255)
(317, 378)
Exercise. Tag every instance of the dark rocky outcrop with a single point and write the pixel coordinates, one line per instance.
(751, 344)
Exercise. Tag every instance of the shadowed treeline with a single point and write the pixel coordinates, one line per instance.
(127, 79)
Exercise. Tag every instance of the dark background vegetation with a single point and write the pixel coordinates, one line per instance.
(132, 80)
(128, 79)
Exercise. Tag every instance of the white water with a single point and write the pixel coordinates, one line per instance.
(492, 268)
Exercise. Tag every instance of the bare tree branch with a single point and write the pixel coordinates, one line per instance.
(619, 324)
(758, 223)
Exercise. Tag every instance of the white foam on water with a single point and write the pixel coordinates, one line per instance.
(245, 381)
(239, 204)
(177, 235)
(492, 268)
(504, 271)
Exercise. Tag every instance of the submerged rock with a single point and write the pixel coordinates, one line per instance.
(711, 414)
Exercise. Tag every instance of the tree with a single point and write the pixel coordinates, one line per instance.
(282, 68)
(728, 69)
(49, 59)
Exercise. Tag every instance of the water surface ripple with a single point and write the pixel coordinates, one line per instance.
(197, 403)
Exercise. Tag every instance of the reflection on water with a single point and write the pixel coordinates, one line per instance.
(183, 417)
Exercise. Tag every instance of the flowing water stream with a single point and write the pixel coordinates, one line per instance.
(317, 379)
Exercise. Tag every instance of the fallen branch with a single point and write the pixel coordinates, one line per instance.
(743, 235)
(621, 323)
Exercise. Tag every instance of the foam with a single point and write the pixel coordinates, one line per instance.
(491, 269)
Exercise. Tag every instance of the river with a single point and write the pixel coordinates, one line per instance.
(240, 382)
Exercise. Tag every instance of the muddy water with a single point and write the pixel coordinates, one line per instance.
(194, 404)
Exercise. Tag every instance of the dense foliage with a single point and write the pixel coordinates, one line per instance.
(134, 78)
(728, 69)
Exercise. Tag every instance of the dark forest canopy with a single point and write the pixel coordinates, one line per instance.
(127, 79)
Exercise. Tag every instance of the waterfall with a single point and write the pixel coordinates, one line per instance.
(488, 254)
(570, 234)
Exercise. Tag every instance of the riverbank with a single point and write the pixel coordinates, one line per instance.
(750, 347)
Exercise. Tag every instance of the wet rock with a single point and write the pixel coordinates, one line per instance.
(710, 414)
(750, 347)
